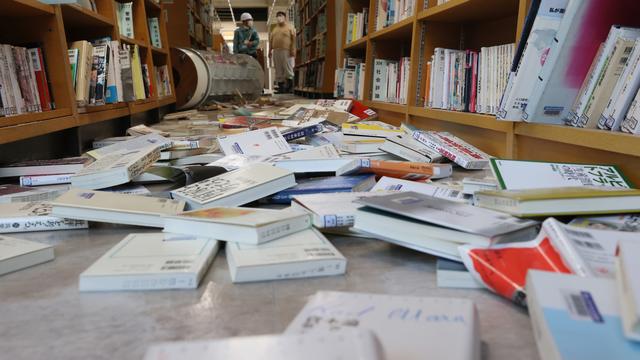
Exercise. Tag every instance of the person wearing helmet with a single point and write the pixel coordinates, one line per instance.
(245, 38)
(283, 47)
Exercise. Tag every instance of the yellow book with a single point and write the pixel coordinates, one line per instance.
(371, 128)
(136, 72)
(85, 61)
(560, 201)
(354, 30)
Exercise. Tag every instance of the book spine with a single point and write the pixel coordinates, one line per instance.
(39, 223)
(39, 180)
(31, 75)
(156, 282)
(337, 220)
(41, 78)
(8, 98)
(283, 228)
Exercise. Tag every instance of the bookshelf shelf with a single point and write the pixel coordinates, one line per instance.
(589, 138)
(399, 30)
(359, 44)
(53, 28)
(469, 10)
(24, 8)
(76, 16)
(470, 119)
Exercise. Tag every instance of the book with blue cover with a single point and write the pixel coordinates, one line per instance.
(577, 317)
(325, 184)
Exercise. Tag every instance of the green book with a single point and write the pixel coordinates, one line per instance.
(73, 60)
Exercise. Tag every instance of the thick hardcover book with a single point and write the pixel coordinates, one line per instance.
(519, 175)
(331, 184)
(34, 216)
(152, 261)
(576, 317)
(353, 345)
(405, 325)
(17, 254)
(302, 254)
(237, 187)
(115, 208)
(570, 57)
(242, 225)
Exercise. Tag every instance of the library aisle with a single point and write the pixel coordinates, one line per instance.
(320, 179)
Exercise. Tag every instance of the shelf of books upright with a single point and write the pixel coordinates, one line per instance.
(74, 76)
(315, 60)
(189, 23)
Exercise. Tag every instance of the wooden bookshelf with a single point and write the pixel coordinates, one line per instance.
(461, 24)
(180, 32)
(53, 28)
(309, 19)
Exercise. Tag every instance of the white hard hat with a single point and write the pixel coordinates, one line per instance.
(245, 16)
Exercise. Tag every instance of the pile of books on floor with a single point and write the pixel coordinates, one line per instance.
(468, 80)
(271, 186)
(24, 87)
(551, 81)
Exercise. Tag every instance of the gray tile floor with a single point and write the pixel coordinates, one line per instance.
(43, 316)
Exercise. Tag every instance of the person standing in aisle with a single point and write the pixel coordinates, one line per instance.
(282, 42)
(245, 37)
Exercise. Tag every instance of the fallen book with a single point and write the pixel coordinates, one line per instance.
(627, 268)
(17, 254)
(130, 143)
(34, 216)
(520, 175)
(116, 168)
(263, 142)
(415, 171)
(576, 317)
(628, 222)
(453, 274)
(331, 210)
(360, 144)
(235, 224)
(432, 189)
(152, 261)
(454, 149)
(404, 146)
(237, 187)
(44, 167)
(405, 325)
(116, 208)
(11, 193)
(560, 201)
(335, 167)
(370, 128)
(354, 345)
(302, 254)
(329, 184)
(41, 180)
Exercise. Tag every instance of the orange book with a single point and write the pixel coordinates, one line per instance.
(427, 87)
(408, 170)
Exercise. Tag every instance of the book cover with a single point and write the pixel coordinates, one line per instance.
(131, 143)
(236, 187)
(303, 254)
(268, 141)
(151, 261)
(454, 149)
(393, 184)
(402, 323)
(21, 217)
(17, 254)
(519, 175)
(330, 184)
(577, 317)
(331, 210)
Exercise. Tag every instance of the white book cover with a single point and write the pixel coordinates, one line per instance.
(334, 166)
(540, 39)
(522, 175)
(151, 261)
(322, 152)
(568, 61)
(41, 180)
(10, 193)
(354, 345)
(303, 254)
(627, 270)
(454, 149)
(116, 168)
(587, 252)
(625, 222)
(236, 224)
(438, 80)
(404, 146)
(131, 143)
(330, 210)
(394, 184)
(350, 84)
(237, 187)
(577, 317)
(115, 208)
(408, 327)
(264, 142)
(17, 254)
(623, 93)
(379, 80)
(34, 216)
(450, 214)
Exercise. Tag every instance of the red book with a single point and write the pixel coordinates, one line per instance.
(41, 78)
(474, 82)
(363, 112)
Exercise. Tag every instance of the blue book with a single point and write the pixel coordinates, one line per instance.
(327, 184)
(302, 132)
(577, 317)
